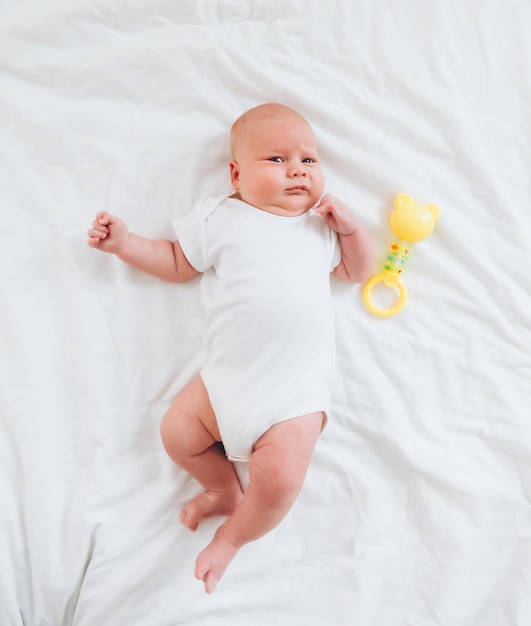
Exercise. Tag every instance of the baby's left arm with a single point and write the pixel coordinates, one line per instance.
(357, 251)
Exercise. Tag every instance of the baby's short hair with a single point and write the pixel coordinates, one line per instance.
(267, 111)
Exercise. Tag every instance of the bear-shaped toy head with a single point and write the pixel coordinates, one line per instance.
(412, 222)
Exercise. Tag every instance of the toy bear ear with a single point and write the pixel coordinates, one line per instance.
(434, 210)
(403, 200)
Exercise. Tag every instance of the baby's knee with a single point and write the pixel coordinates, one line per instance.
(171, 434)
(182, 429)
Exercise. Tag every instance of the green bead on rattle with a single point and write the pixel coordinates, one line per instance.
(410, 222)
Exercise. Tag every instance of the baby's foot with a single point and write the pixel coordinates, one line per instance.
(213, 560)
(208, 504)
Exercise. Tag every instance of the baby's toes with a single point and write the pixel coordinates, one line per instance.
(189, 519)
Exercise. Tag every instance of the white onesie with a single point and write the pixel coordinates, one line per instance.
(269, 321)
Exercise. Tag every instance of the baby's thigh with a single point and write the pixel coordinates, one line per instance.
(288, 446)
(191, 416)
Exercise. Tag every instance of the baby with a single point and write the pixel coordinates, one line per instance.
(266, 253)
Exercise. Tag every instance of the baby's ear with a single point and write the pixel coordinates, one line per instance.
(234, 174)
(403, 200)
(434, 210)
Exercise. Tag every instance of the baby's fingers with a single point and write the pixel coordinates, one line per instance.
(94, 242)
(99, 232)
(99, 227)
(95, 237)
(103, 218)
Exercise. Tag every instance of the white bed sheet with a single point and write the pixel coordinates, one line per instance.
(416, 510)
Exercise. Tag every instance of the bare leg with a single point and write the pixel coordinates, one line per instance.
(191, 438)
(277, 470)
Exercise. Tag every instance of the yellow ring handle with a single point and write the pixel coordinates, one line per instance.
(390, 281)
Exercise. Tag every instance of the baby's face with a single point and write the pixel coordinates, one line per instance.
(277, 168)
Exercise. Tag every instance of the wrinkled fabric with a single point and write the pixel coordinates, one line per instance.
(416, 509)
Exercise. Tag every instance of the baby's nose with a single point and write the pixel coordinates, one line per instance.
(297, 170)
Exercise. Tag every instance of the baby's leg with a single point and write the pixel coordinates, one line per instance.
(191, 438)
(277, 470)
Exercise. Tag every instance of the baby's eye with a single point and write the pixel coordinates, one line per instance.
(276, 159)
(308, 160)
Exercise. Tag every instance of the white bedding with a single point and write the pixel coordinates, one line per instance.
(416, 510)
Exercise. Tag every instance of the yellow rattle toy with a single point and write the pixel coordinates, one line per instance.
(410, 222)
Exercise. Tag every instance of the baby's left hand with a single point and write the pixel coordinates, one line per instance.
(337, 215)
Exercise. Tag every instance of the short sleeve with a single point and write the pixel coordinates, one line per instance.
(191, 233)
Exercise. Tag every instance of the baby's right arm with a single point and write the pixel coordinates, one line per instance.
(161, 257)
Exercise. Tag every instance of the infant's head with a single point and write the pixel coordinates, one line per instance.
(275, 165)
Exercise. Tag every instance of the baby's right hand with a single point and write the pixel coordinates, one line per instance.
(108, 233)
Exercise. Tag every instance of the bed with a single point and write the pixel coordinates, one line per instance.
(417, 506)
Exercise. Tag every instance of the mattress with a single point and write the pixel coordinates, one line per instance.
(416, 508)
